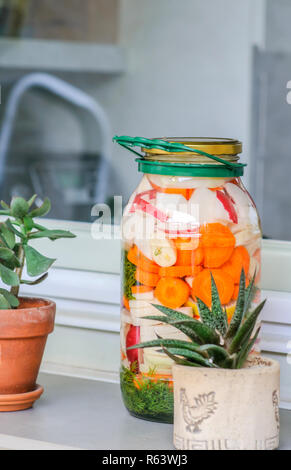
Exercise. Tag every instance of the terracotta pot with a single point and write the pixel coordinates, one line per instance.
(23, 335)
(222, 409)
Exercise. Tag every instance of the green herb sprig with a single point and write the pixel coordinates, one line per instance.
(129, 280)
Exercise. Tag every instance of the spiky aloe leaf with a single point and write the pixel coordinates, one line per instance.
(249, 294)
(243, 354)
(178, 360)
(218, 353)
(184, 329)
(229, 363)
(245, 331)
(239, 309)
(205, 314)
(218, 313)
(204, 332)
(169, 312)
(170, 343)
(192, 356)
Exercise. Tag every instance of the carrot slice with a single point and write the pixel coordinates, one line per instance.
(218, 243)
(180, 271)
(172, 292)
(216, 257)
(240, 259)
(186, 192)
(146, 278)
(126, 303)
(202, 286)
(217, 235)
(236, 290)
(140, 289)
(135, 256)
(187, 243)
(132, 255)
(189, 257)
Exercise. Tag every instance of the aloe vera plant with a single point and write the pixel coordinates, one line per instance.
(212, 341)
(16, 234)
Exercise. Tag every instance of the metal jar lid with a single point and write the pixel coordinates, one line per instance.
(189, 156)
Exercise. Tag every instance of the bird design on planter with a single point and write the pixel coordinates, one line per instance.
(204, 407)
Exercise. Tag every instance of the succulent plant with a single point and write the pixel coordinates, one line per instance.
(212, 341)
(16, 233)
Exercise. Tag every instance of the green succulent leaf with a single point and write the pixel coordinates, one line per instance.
(249, 294)
(14, 230)
(4, 304)
(218, 313)
(229, 363)
(206, 314)
(31, 200)
(239, 309)
(15, 233)
(19, 207)
(42, 210)
(245, 331)
(178, 360)
(36, 263)
(187, 331)
(52, 234)
(11, 299)
(36, 281)
(192, 356)
(39, 227)
(171, 343)
(28, 222)
(204, 333)
(8, 256)
(218, 353)
(245, 351)
(7, 236)
(8, 276)
(5, 205)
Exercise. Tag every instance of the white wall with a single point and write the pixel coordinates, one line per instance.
(278, 31)
(189, 72)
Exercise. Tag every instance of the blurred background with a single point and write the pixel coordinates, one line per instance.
(75, 72)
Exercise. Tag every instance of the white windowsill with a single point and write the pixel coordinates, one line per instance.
(68, 417)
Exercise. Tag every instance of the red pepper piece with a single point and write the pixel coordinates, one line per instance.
(147, 207)
(228, 205)
(132, 338)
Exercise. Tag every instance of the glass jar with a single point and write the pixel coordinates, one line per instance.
(189, 216)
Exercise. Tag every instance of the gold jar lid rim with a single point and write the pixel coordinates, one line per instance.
(212, 145)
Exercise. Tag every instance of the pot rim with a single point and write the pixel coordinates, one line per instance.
(28, 322)
(269, 368)
(49, 303)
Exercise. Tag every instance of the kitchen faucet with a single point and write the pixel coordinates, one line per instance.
(74, 96)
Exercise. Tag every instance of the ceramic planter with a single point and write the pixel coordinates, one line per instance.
(222, 409)
(23, 335)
